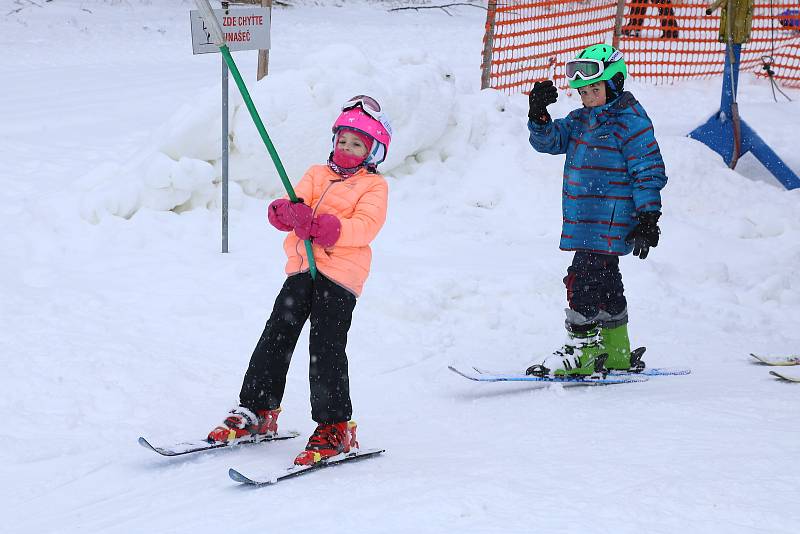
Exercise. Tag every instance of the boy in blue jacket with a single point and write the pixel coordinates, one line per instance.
(611, 202)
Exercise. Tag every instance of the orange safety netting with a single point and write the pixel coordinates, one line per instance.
(663, 40)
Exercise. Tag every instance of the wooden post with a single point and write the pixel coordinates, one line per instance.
(263, 55)
(488, 41)
(618, 23)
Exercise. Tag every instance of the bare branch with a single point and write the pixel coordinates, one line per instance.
(442, 7)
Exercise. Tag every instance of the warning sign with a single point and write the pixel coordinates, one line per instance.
(244, 29)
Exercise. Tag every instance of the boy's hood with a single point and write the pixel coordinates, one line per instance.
(624, 104)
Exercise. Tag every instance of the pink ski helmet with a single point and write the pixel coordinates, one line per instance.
(363, 114)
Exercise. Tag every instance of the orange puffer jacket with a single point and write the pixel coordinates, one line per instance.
(360, 204)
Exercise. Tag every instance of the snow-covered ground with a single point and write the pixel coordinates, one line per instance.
(113, 327)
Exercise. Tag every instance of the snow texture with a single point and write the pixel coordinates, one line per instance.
(121, 318)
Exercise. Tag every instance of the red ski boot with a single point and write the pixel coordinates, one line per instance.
(328, 441)
(242, 423)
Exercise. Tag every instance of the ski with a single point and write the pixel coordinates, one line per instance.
(777, 360)
(569, 380)
(297, 470)
(654, 371)
(648, 371)
(187, 447)
(784, 376)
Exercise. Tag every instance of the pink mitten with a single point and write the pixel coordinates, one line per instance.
(277, 215)
(286, 215)
(302, 216)
(325, 230)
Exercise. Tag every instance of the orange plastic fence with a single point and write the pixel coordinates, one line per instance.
(663, 40)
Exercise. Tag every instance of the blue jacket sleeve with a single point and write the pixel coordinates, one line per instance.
(645, 166)
(550, 138)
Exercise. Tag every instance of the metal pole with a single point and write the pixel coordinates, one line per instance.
(733, 50)
(225, 149)
(225, 155)
(219, 39)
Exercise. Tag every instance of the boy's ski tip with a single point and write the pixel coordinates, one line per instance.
(456, 371)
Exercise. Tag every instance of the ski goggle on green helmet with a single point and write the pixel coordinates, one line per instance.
(596, 63)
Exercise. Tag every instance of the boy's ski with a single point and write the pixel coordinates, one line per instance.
(784, 376)
(777, 360)
(187, 447)
(648, 371)
(654, 371)
(297, 470)
(570, 380)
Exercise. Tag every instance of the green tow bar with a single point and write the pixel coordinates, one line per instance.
(217, 36)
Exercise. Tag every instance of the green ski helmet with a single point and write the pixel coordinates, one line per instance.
(600, 62)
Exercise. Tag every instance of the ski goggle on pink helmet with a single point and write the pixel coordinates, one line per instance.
(363, 113)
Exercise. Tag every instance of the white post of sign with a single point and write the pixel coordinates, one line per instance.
(225, 148)
(243, 29)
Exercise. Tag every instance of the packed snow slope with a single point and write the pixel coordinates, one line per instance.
(120, 317)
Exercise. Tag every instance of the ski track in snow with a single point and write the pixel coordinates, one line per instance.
(141, 327)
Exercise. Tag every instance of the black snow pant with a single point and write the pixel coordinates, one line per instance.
(595, 290)
(330, 307)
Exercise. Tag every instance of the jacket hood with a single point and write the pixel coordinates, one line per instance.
(622, 105)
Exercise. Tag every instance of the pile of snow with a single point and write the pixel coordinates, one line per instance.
(180, 169)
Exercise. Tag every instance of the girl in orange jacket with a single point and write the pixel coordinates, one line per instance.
(341, 207)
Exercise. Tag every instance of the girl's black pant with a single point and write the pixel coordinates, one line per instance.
(330, 308)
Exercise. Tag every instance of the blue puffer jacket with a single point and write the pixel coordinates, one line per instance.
(613, 171)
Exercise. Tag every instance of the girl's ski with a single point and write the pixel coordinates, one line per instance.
(297, 470)
(777, 360)
(784, 376)
(187, 447)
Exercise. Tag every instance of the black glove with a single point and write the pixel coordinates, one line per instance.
(645, 234)
(542, 95)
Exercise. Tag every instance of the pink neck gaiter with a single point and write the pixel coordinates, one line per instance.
(347, 160)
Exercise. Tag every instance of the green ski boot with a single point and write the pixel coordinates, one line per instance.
(582, 355)
(618, 346)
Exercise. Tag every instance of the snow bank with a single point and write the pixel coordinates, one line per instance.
(180, 168)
